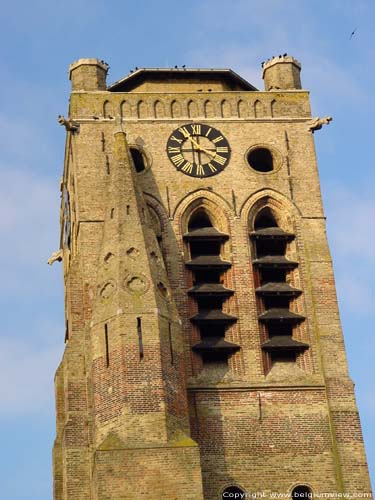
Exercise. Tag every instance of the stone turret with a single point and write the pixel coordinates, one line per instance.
(282, 72)
(88, 74)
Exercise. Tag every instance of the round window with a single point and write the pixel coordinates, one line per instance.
(263, 159)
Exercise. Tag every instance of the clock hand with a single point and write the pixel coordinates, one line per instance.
(199, 147)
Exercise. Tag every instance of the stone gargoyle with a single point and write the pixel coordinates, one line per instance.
(56, 256)
(317, 123)
(70, 125)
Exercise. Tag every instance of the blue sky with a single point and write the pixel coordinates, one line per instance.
(39, 40)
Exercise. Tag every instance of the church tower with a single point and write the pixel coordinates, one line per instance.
(204, 356)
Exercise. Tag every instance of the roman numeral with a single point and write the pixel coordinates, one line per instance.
(220, 159)
(173, 138)
(196, 129)
(222, 149)
(171, 149)
(178, 160)
(184, 131)
(188, 167)
(208, 132)
(200, 170)
(212, 167)
(217, 139)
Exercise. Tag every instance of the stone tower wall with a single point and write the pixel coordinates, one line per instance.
(262, 429)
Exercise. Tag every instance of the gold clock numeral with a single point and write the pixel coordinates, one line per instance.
(222, 149)
(171, 149)
(184, 131)
(208, 132)
(217, 139)
(188, 167)
(200, 170)
(176, 139)
(196, 129)
(220, 159)
(178, 160)
(212, 167)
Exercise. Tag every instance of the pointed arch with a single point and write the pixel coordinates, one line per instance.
(209, 111)
(107, 109)
(176, 109)
(216, 207)
(125, 109)
(192, 109)
(159, 111)
(283, 209)
(141, 109)
(199, 218)
(225, 109)
(265, 218)
(158, 222)
(259, 109)
(242, 109)
(273, 108)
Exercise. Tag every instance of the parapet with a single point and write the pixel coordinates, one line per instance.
(88, 74)
(282, 72)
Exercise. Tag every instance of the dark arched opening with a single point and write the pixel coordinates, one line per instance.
(301, 491)
(138, 159)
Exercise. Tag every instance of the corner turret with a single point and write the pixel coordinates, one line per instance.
(88, 74)
(282, 72)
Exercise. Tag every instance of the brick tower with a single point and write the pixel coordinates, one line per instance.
(204, 356)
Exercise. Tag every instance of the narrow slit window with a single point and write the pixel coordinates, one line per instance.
(170, 342)
(140, 340)
(106, 345)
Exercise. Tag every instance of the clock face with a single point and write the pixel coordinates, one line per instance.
(198, 150)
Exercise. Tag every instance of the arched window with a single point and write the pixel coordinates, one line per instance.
(301, 491)
(208, 269)
(138, 159)
(274, 294)
(209, 110)
(159, 110)
(192, 109)
(230, 492)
